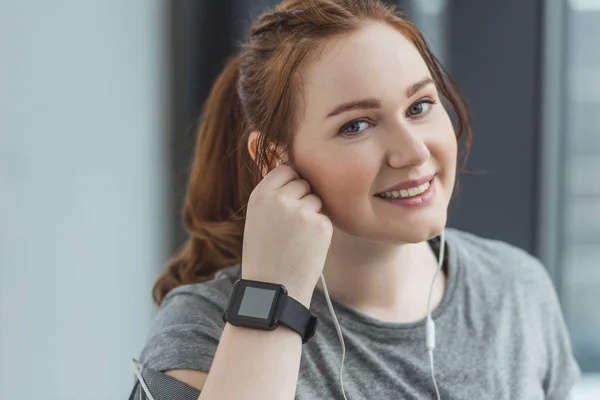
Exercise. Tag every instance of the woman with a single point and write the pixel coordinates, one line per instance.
(347, 95)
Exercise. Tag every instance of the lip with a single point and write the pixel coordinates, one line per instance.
(408, 184)
(415, 202)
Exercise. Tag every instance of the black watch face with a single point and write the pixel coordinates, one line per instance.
(254, 304)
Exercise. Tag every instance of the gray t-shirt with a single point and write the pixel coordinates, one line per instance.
(500, 334)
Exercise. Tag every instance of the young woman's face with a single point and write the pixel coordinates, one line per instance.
(397, 131)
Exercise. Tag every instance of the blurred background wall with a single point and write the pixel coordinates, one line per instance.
(99, 103)
(83, 192)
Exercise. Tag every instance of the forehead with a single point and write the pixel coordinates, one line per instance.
(376, 61)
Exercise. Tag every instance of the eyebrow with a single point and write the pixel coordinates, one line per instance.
(371, 103)
(415, 87)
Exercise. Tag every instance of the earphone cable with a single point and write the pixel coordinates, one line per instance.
(137, 371)
(430, 325)
(339, 333)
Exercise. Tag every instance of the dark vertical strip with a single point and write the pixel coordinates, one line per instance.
(201, 41)
(493, 54)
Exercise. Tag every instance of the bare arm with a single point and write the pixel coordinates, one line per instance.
(283, 223)
(250, 364)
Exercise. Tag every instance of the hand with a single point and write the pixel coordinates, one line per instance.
(286, 239)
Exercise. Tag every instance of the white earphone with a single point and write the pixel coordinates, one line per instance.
(429, 324)
(137, 370)
(429, 328)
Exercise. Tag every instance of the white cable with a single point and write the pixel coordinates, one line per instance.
(136, 370)
(339, 333)
(440, 263)
(430, 324)
(437, 392)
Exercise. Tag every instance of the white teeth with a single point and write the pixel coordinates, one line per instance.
(406, 193)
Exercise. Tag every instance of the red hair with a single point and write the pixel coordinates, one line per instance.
(258, 90)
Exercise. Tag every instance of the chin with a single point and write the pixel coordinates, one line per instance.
(401, 235)
(415, 228)
(423, 230)
(418, 235)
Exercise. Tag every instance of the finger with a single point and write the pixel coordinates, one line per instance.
(279, 177)
(312, 202)
(267, 167)
(298, 188)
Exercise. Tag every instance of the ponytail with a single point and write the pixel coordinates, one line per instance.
(220, 184)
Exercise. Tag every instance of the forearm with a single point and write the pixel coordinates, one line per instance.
(255, 364)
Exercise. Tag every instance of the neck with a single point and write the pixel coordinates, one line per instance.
(386, 281)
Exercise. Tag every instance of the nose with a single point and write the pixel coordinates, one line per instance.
(406, 147)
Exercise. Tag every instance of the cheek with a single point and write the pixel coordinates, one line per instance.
(442, 141)
(444, 150)
(345, 181)
(341, 178)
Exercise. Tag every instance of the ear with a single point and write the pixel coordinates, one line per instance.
(253, 144)
(274, 154)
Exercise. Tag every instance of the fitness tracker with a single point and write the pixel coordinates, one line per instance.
(264, 305)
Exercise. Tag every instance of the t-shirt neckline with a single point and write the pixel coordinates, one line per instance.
(348, 316)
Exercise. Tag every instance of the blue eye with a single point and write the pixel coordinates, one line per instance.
(354, 127)
(420, 107)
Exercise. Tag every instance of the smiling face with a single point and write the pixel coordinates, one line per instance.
(372, 120)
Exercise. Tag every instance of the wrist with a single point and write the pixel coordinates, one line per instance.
(264, 305)
(302, 296)
(300, 292)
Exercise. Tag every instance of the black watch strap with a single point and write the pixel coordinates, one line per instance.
(297, 317)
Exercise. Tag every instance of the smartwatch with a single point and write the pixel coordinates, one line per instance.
(264, 305)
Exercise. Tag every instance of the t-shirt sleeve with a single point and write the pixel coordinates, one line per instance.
(562, 371)
(186, 330)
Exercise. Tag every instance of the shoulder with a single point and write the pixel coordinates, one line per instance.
(505, 277)
(217, 290)
(187, 328)
(496, 256)
(502, 266)
(482, 247)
